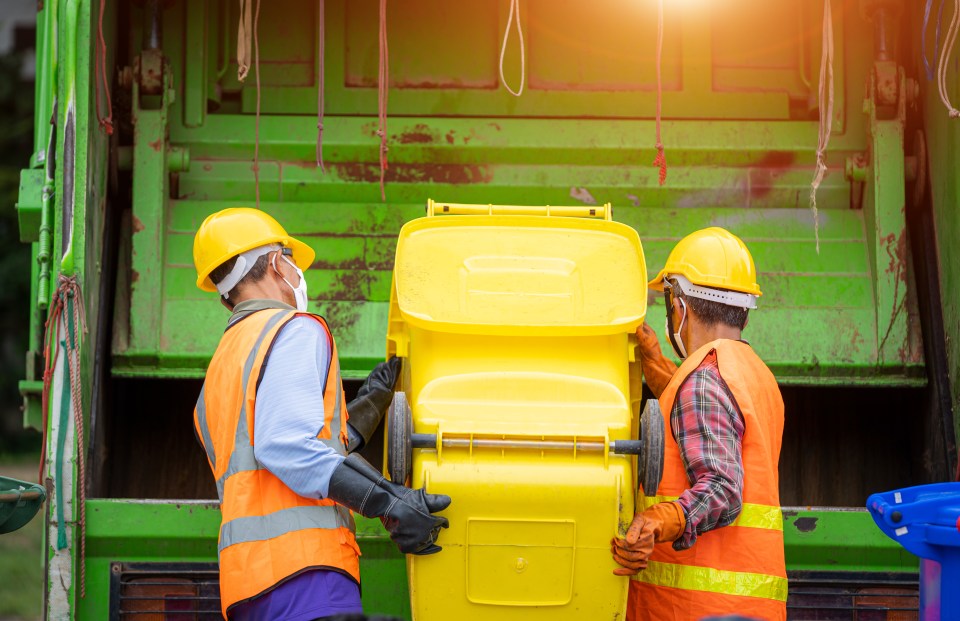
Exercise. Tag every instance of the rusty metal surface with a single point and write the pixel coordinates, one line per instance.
(460, 143)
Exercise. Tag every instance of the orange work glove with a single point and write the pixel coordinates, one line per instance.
(663, 522)
(657, 368)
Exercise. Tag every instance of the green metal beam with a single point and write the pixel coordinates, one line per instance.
(150, 192)
(885, 220)
(816, 539)
(833, 539)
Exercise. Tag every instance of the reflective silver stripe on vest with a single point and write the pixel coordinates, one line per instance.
(334, 440)
(204, 430)
(242, 458)
(265, 527)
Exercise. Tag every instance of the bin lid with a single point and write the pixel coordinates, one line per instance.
(532, 275)
(923, 519)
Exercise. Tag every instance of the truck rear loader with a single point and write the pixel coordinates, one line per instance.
(342, 118)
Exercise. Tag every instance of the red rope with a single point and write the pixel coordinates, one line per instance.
(49, 339)
(76, 393)
(256, 122)
(106, 123)
(320, 35)
(660, 160)
(68, 287)
(383, 88)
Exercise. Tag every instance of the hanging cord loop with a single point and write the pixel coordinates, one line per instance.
(106, 122)
(65, 326)
(943, 66)
(923, 36)
(826, 115)
(244, 39)
(660, 160)
(383, 87)
(256, 122)
(320, 52)
(514, 12)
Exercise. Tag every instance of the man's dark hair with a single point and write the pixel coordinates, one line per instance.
(256, 273)
(712, 313)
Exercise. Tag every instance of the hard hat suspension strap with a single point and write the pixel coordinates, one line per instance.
(242, 267)
(721, 296)
(674, 334)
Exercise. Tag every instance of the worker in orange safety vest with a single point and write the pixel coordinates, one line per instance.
(279, 436)
(710, 542)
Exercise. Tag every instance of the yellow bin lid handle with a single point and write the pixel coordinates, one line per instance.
(604, 211)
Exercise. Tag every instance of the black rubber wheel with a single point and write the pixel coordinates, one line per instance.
(399, 445)
(650, 462)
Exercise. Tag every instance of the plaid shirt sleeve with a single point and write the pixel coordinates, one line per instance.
(708, 427)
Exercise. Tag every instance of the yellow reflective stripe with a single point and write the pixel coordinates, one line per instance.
(751, 515)
(692, 578)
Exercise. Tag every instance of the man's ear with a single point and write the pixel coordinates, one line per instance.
(278, 265)
(274, 260)
(678, 306)
(746, 321)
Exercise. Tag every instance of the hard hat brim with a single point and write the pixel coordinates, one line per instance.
(657, 283)
(303, 256)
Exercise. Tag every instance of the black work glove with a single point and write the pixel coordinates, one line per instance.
(366, 411)
(406, 513)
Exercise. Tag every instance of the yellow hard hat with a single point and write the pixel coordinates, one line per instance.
(227, 233)
(713, 258)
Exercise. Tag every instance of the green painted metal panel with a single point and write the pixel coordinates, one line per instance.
(460, 143)
(29, 204)
(822, 539)
(582, 60)
(31, 391)
(121, 530)
(942, 137)
(803, 291)
(186, 531)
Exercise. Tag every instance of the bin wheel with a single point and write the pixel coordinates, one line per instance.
(650, 462)
(399, 444)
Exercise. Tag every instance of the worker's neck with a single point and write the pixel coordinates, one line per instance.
(265, 289)
(700, 334)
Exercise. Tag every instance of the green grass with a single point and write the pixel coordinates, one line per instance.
(21, 562)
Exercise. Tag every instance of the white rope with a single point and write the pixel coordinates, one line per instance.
(826, 114)
(244, 39)
(515, 9)
(942, 66)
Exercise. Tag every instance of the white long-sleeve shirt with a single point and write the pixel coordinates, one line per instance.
(289, 410)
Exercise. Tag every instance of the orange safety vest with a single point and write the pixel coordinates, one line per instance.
(740, 568)
(268, 533)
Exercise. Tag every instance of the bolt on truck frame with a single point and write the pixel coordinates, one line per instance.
(861, 335)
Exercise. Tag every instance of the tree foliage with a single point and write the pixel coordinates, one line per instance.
(16, 146)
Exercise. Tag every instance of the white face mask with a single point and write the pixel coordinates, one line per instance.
(300, 291)
(675, 339)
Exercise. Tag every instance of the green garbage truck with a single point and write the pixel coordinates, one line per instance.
(342, 118)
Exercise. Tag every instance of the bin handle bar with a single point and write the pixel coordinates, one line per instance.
(604, 211)
(25, 495)
(621, 447)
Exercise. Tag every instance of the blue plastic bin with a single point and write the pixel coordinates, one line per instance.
(926, 521)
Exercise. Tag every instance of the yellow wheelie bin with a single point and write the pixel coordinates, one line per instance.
(520, 399)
